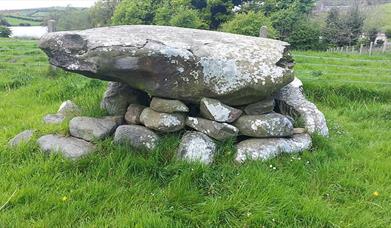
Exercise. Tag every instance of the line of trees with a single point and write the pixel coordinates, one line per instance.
(288, 20)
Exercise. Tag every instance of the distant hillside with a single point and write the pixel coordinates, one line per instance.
(29, 16)
(326, 5)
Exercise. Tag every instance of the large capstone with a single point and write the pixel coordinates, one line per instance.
(176, 63)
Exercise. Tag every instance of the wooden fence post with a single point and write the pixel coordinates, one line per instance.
(384, 46)
(52, 28)
(361, 47)
(370, 48)
(353, 49)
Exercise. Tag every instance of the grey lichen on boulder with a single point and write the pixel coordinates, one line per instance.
(196, 147)
(263, 149)
(163, 122)
(216, 130)
(136, 136)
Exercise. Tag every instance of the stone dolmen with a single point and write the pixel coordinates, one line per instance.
(212, 86)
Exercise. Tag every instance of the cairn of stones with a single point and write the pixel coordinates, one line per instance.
(208, 86)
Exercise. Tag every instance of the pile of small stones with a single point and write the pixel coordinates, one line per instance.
(138, 121)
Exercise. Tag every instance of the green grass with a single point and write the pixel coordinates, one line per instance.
(16, 21)
(330, 186)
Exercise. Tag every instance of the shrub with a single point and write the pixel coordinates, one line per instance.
(388, 33)
(305, 36)
(5, 32)
(249, 24)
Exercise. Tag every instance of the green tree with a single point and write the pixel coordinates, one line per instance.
(306, 36)
(4, 22)
(102, 12)
(187, 18)
(249, 24)
(134, 12)
(5, 32)
(388, 33)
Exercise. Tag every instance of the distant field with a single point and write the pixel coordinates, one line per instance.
(17, 21)
(379, 17)
(345, 181)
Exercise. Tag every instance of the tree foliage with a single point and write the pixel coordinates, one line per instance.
(306, 36)
(249, 24)
(102, 12)
(343, 29)
(5, 32)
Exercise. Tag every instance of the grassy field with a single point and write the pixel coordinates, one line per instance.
(17, 21)
(345, 181)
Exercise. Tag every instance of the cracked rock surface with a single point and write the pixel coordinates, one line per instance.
(176, 63)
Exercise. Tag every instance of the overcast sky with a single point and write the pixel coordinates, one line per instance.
(29, 4)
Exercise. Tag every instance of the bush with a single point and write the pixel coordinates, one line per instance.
(249, 24)
(133, 12)
(388, 33)
(5, 32)
(187, 18)
(305, 36)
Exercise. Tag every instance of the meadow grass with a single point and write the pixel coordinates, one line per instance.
(16, 21)
(332, 185)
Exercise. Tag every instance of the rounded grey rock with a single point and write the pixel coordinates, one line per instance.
(261, 107)
(133, 113)
(264, 126)
(119, 96)
(163, 122)
(216, 130)
(54, 118)
(69, 108)
(89, 128)
(215, 110)
(136, 136)
(197, 147)
(70, 147)
(22, 137)
(263, 149)
(168, 106)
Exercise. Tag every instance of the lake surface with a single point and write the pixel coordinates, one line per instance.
(28, 31)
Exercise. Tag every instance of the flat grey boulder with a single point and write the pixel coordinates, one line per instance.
(215, 110)
(196, 147)
(216, 130)
(22, 137)
(291, 101)
(177, 63)
(133, 113)
(69, 108)
(261, 107)
(136, 136)
(70, 147)
(263, 149)
(163, 122)
(57, 118)
(119, 96)
(168, 106)
(90, 128)
(264, 126)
